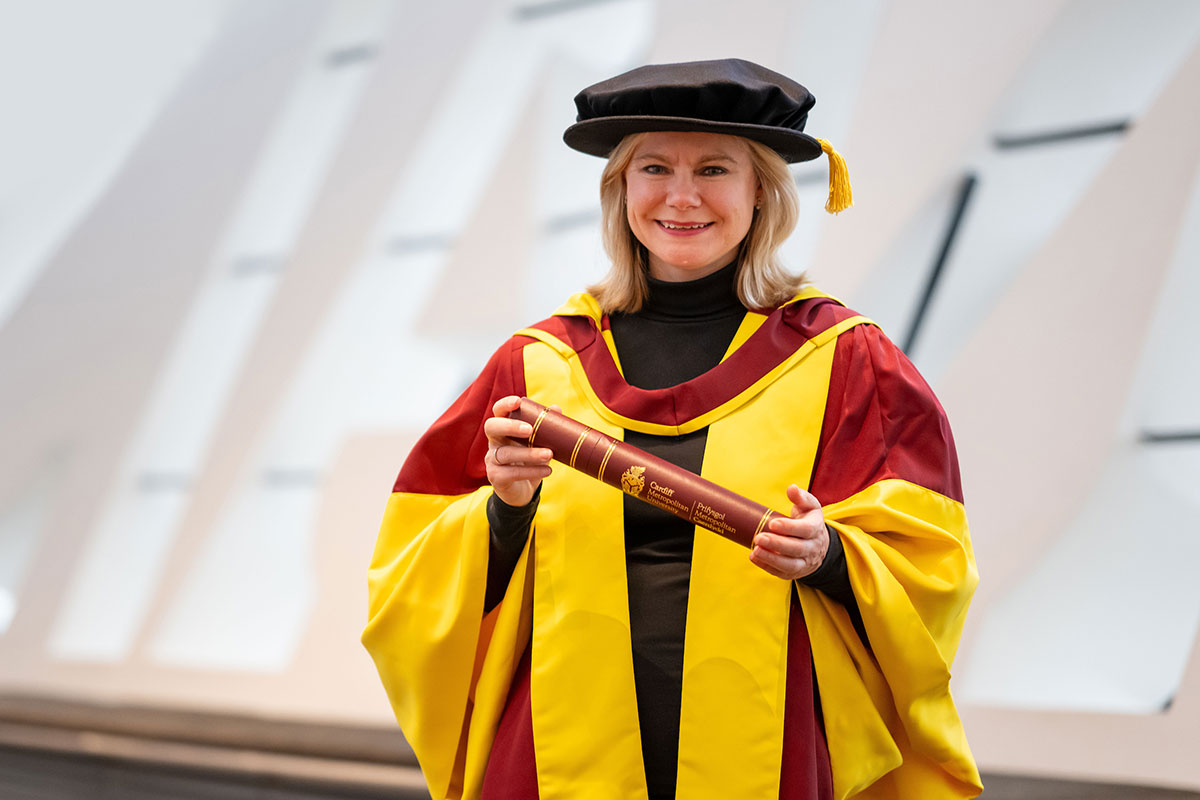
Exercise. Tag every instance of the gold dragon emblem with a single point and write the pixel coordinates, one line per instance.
(632, 481)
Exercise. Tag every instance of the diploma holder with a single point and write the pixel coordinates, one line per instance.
(646, 477)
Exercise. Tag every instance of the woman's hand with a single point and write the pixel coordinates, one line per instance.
(514, 470)
(793, 547)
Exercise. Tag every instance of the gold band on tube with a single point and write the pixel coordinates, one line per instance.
(575, 452)
(604, 462)
(761, 524)
(536, 423)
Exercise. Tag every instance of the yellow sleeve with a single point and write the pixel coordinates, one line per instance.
(446, 668)
(887, 704)
(888, 477)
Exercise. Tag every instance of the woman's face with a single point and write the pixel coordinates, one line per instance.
(690, 199)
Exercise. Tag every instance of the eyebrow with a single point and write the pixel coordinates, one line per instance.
(708, 157)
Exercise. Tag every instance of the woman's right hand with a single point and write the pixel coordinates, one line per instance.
(514, 470)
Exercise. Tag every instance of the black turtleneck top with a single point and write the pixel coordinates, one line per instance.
(682, 331)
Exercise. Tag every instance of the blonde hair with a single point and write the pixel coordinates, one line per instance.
(762, 280)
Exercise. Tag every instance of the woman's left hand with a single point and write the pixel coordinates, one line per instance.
(793, 547)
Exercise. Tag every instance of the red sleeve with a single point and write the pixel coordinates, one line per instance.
(881, 421)
(448, 459)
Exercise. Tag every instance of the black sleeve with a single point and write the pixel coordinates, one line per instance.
(833, 578)
(509, 530)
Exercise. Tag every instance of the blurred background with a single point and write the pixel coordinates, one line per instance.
(250, 250)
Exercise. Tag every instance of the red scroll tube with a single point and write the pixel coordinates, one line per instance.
(646, 477)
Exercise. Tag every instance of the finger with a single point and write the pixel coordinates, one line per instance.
(508, 475)
(788, 546)
(500, 430)
(788, 566)
(780, 566)
(801, 499)
(511, 454)
(809, 526)
(506, 405)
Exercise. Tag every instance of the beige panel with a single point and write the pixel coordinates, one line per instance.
(480, 289)
(375, 150)
(928, 93)
(334, 678)
(1155, 750)
(334, 673)
(115, 292)
(1036, 393)
(1036, 397)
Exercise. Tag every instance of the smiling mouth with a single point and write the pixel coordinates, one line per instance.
(676, 226)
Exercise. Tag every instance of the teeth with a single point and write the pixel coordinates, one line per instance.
(669, 226)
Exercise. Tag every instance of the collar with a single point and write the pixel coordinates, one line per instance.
(711, 297)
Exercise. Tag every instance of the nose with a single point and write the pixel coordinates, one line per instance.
(682, 191)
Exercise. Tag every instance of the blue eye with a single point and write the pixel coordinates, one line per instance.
(714, 171)
(654, 169)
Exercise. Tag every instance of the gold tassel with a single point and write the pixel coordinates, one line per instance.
(841, 196)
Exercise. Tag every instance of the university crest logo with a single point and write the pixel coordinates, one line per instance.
(632, 481)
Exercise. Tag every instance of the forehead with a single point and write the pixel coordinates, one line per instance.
(691, 144)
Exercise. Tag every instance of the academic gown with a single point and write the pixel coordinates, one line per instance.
(810, 393)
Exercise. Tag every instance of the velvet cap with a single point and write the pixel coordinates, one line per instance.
(730, 96)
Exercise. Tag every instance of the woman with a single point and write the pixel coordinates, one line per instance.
(542, 635)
